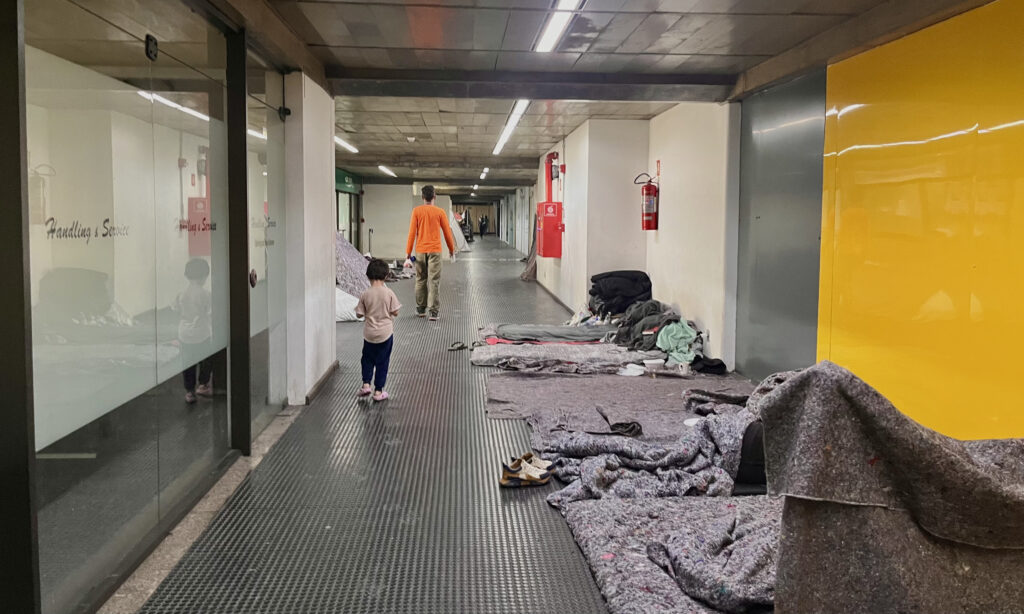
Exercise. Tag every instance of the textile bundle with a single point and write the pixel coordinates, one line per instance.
(704, 461)
(349, 267)
(875, 500)
(613, 292)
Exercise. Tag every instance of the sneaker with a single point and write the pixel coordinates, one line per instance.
(365, 390)
(380, 395)
(536, 462)
(433, 317)
(190, 397)
(421, 314)
(204, 390)
(522, 474)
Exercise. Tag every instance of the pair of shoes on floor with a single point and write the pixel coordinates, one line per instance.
(423, 314)
(527, 470)
(380, 395)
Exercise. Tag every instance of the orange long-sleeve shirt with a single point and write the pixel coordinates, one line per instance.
(427, 221)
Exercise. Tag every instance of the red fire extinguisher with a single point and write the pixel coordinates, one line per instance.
(649, 201)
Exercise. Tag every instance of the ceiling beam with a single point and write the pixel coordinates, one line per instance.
(883, 23)
(532, 85)
(437, 162)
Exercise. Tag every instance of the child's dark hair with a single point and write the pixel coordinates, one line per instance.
(428, 193)
(197, 269)
(377, 270)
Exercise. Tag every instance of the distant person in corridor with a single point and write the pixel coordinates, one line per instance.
(428, 223)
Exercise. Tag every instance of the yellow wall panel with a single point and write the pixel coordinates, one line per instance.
(922, 260)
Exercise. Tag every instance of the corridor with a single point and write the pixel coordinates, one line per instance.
(395, 507)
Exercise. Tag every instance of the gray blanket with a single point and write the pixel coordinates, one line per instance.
(559, 358)
(350, 267)
(549, 333)
(874, 499)
(680, 555)
(563, 402)
(703, 461)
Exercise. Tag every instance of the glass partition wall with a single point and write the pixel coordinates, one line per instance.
(128, 256)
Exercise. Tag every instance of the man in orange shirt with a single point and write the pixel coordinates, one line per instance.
(428, 223)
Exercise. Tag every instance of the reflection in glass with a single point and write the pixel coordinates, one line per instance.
(128, 259)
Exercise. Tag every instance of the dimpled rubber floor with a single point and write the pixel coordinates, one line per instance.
(395, 507)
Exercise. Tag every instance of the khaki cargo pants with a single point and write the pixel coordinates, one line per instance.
(428, 269)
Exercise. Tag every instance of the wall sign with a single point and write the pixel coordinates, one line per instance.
(77, 230)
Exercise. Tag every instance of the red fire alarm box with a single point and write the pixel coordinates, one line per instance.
(549, 230)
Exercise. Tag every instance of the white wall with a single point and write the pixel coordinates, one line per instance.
(310, 213)
(387, 209)
(602, 217)
(566, 277)
(618, 153)
(692, 256)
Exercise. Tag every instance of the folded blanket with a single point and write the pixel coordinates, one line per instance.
(546, 332)
(558, 357)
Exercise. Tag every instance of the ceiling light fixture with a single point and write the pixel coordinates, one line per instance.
(472, 193)
(510, 125)
(556, 25)
(345, 144)
(476, 186)
(170, 103)
(386, 170)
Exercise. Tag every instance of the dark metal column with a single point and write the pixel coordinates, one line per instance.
(19, 573)
(240, 391)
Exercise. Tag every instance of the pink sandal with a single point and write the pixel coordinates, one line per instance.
(365, 391)
(380, 396)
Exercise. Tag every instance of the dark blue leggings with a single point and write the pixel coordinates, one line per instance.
(377, 356)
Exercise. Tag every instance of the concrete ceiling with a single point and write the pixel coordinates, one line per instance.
(448, 138)
(608, 36)
(446, 72)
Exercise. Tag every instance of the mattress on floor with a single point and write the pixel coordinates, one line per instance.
(930, 523)
(680, 555)
(560, 358)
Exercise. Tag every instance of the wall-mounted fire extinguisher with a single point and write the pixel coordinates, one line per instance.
(649, 201)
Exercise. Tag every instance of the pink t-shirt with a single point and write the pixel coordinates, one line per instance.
(376, 305)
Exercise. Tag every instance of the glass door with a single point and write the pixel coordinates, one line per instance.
(267, 299)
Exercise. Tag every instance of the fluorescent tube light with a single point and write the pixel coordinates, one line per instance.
(386, 170)
(510, 125)
(170, 103)
(556, 25)
(345, 144)
(258, 135)
(483, 175)
(487, 169)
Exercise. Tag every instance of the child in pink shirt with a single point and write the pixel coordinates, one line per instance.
(379, 306)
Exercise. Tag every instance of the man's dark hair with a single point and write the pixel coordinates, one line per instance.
(377, 270)
(428, 193)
